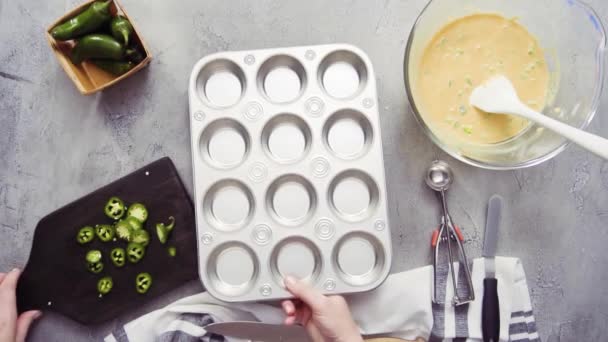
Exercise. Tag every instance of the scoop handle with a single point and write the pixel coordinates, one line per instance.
(588, 141)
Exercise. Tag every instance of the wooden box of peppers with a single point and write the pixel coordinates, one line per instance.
(97, 45)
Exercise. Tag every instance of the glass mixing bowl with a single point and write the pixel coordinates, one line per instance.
(574, 41)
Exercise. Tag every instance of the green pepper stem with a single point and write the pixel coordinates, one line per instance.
(172, 224)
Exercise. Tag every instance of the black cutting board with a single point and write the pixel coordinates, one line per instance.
(56, 277)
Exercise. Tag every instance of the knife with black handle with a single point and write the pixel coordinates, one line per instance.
(490, 310)
(490, 316)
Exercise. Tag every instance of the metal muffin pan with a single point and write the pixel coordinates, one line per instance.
(288, 172)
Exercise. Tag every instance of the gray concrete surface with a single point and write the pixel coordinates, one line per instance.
(56, 145)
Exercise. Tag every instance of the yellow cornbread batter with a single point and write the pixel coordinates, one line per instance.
(464, 54)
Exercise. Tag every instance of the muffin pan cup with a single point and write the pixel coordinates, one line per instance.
(288, 172)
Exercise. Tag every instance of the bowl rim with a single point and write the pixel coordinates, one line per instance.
(595, 100)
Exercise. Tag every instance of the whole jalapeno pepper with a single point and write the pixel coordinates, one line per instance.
(135, 252)
(143, 281)
(105, 232)
(118, 256)
(85, 235)
(100, 46)
(115, 68)
(114, 208)
(134, 55)
(104, 285)
(88, 21)
(121, 29)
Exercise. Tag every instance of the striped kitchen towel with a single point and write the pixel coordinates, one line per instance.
(401, 307)
(463, 323)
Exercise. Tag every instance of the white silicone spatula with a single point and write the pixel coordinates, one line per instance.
(498, 96)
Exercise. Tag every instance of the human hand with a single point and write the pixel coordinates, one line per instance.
(326, 318)
(13, 328)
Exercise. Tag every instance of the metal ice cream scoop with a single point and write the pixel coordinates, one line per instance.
(439, 177)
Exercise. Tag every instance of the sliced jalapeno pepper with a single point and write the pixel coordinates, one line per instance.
(138, 211)
(141, 237)
(143, 281)
(93, 256)
(118, 256)
(104, 232)
(123, 230)
(115, 208)
(85, 235)
(163, 231)
(172, 251)
(95, 267)
(104, 285)
(135, 252)
(134, 223)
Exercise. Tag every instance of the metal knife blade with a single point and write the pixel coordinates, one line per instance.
(491, 234)
(257, 331)
(490, 307)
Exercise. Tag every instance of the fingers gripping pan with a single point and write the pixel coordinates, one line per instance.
(296, 256)
(288, 172)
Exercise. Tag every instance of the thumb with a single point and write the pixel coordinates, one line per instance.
(313, 298)
(23, 323)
